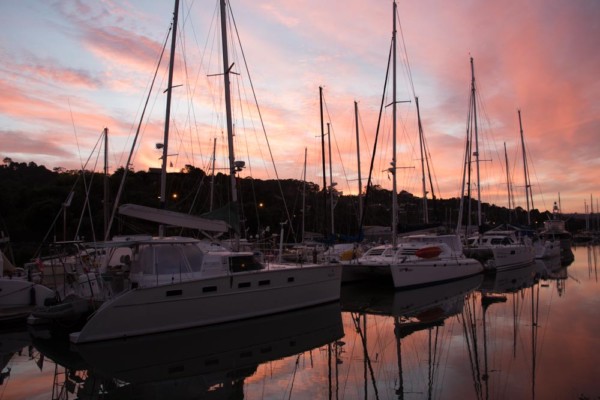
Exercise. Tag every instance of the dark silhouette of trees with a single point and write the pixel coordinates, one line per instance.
(34, 205)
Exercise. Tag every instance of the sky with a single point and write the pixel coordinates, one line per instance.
(69, 69)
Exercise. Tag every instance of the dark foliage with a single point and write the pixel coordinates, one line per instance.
(33, 206)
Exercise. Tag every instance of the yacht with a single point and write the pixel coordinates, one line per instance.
(500, 250)
(416, 260)
(181, 282)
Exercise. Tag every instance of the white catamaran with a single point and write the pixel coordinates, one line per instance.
(182, 282)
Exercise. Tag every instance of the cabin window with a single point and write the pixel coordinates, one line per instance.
(145, 261)
(244, 263)
(243, 284)
(169, 260)
(194, 256)
(291, 279)
(264, 283)
(208, 289)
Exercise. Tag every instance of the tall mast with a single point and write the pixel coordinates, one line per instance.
(508, 189)
(226, 71)
(106, 184)
(393, 169)
(360, 211)
(303, 198)
(525, 171)
(165, 143)
(474, 104)
(323, 158)
(422, 145)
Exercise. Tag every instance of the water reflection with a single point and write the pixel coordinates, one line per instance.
(487, 356)
(423, 309)
(470, 339)
(528, 333)
(193, 363)
(13, 341)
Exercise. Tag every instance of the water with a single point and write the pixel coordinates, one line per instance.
(531, 333)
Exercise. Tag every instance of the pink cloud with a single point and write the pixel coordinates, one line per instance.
(538, 57)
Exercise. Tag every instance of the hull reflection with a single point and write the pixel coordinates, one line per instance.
(187, 363)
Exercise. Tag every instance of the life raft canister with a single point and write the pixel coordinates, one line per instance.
(428, 252)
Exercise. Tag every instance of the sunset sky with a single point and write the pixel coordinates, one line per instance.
(71, 68)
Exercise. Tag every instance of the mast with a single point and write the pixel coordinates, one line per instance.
(323, 158)
(212, 181)
(507, 183)
(466, 165)
(525, 171)
(331, 183)
(422, 145)
(106, 205)
(360, 205)
(226, 71)
(393, 169)
(474, 104)
(165, 143)
(303, 198)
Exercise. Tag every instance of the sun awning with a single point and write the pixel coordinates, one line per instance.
(172, 218)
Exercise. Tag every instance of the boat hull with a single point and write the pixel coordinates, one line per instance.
(211, 301)
(356, 272)
(20, 293)
(433, 271)
(500, 258)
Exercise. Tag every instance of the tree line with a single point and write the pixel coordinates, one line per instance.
(39, 206)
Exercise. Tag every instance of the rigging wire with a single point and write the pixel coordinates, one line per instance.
(287, 213)
(126, 169)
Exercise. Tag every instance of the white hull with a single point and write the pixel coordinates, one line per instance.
(501, 250)
(211, 301)
(432, 271)
(508, 257)
(21, 293)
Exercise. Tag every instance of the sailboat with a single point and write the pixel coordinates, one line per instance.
(496, 249)
(182, 282)
(416, 260)
(544, 247)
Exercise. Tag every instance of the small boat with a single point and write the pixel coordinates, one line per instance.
(554, 229)
(500, 250)
(18, 295)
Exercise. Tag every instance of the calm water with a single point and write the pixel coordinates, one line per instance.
(532, 333)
